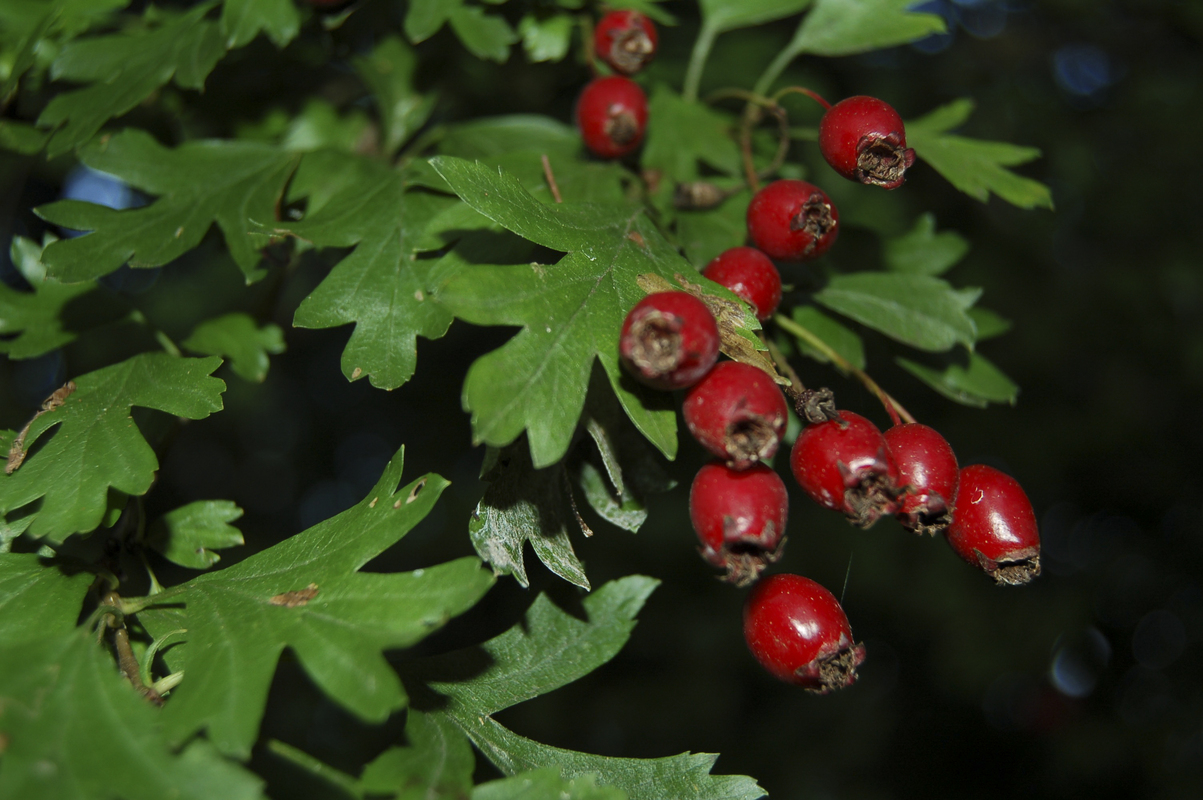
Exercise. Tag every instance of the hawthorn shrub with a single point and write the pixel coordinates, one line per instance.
(230, 173)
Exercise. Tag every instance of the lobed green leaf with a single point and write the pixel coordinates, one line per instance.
(240, 341)
(922, 251)
(918, 310)
(977, 382)
(189, 534)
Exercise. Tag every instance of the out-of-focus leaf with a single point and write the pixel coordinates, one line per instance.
(380, 286)
(685, 134)
(123, 69)
(307, 593)
(546, 38)
(495, 136)
(242, 20)
(21, 137)
(189, 534)
(437, 761)
(989, 323)
(38, 598)
(844, 27)
(389, 73)
(918, 310)
(922, 251)
(524, 504)
(424, 17)
(705, 234)
(974, 166)
(727, 15)
(484, 35)
(839, 338)
(235, 184)
(238, 339)
(97, 445)
(976, 383)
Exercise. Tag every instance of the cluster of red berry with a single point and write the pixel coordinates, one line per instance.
(738, 504)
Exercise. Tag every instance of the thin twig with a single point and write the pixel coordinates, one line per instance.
(551, 179)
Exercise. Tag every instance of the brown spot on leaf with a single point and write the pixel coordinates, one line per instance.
(414, 492)
(297, 597)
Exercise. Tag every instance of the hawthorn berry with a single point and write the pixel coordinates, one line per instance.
(927, 470)
(751, 275)
(737, 413)
(625, 39)
(994, 527)
(845, 465)
(739, 517)
(863, 139)
(792, 220)
(797, 630)
(669, 340)
(612, 115)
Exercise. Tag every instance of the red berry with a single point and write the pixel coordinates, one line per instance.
(612, 115)
(751, 275)
(994, 527)
(927, 468)
(625, 39)
(845, 465)
(792, 221)
(864, 140)
(669, 340)
(739, 517)
(797, 630)
(737, 412)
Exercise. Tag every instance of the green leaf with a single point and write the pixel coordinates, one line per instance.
(683, 777)
(524, 504)
(546, 38)
(308, 594)
(235, 184)
(726, 15)
(425, 17)
(922, 251)
(549, 648)
(496, 136)
(484, 35)
(844, 27)
(97, 445)
(989, 323)
(839, 338)
(918, 310)
(21, 137)
(38, 599)
(380, 286)
(236, 338)
(437, 762)
(684, 134)
(546, 784)
(975, 167)
(124, 68)
(242, 20)
(975, 383)
(89, 734)
(571, 312)
(705, 234)
(389, 72)
(188, 535)
(36, 322)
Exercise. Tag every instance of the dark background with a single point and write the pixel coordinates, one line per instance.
(1088, 681)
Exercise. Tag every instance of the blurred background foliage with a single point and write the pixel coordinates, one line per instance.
(1089, 681)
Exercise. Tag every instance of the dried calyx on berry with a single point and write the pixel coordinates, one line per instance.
(864, 139)
(669, 340)
(792, 220)
(927, 469)
(994, 527)
(739, 517)
(844, 464)
(625, 39)
(798, 631)
(737, 413)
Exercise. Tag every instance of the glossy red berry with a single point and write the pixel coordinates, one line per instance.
(669, 340)
(863, 139)
(739, 517)
(792, 221)
(751, 275)
(737, 412)
(845, 465)
(797, 630)
(927, 470)
(625, 39)
(612, 115)
(994, 527)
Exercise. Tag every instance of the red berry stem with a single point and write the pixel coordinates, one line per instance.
(813, 95)
(897, 412)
